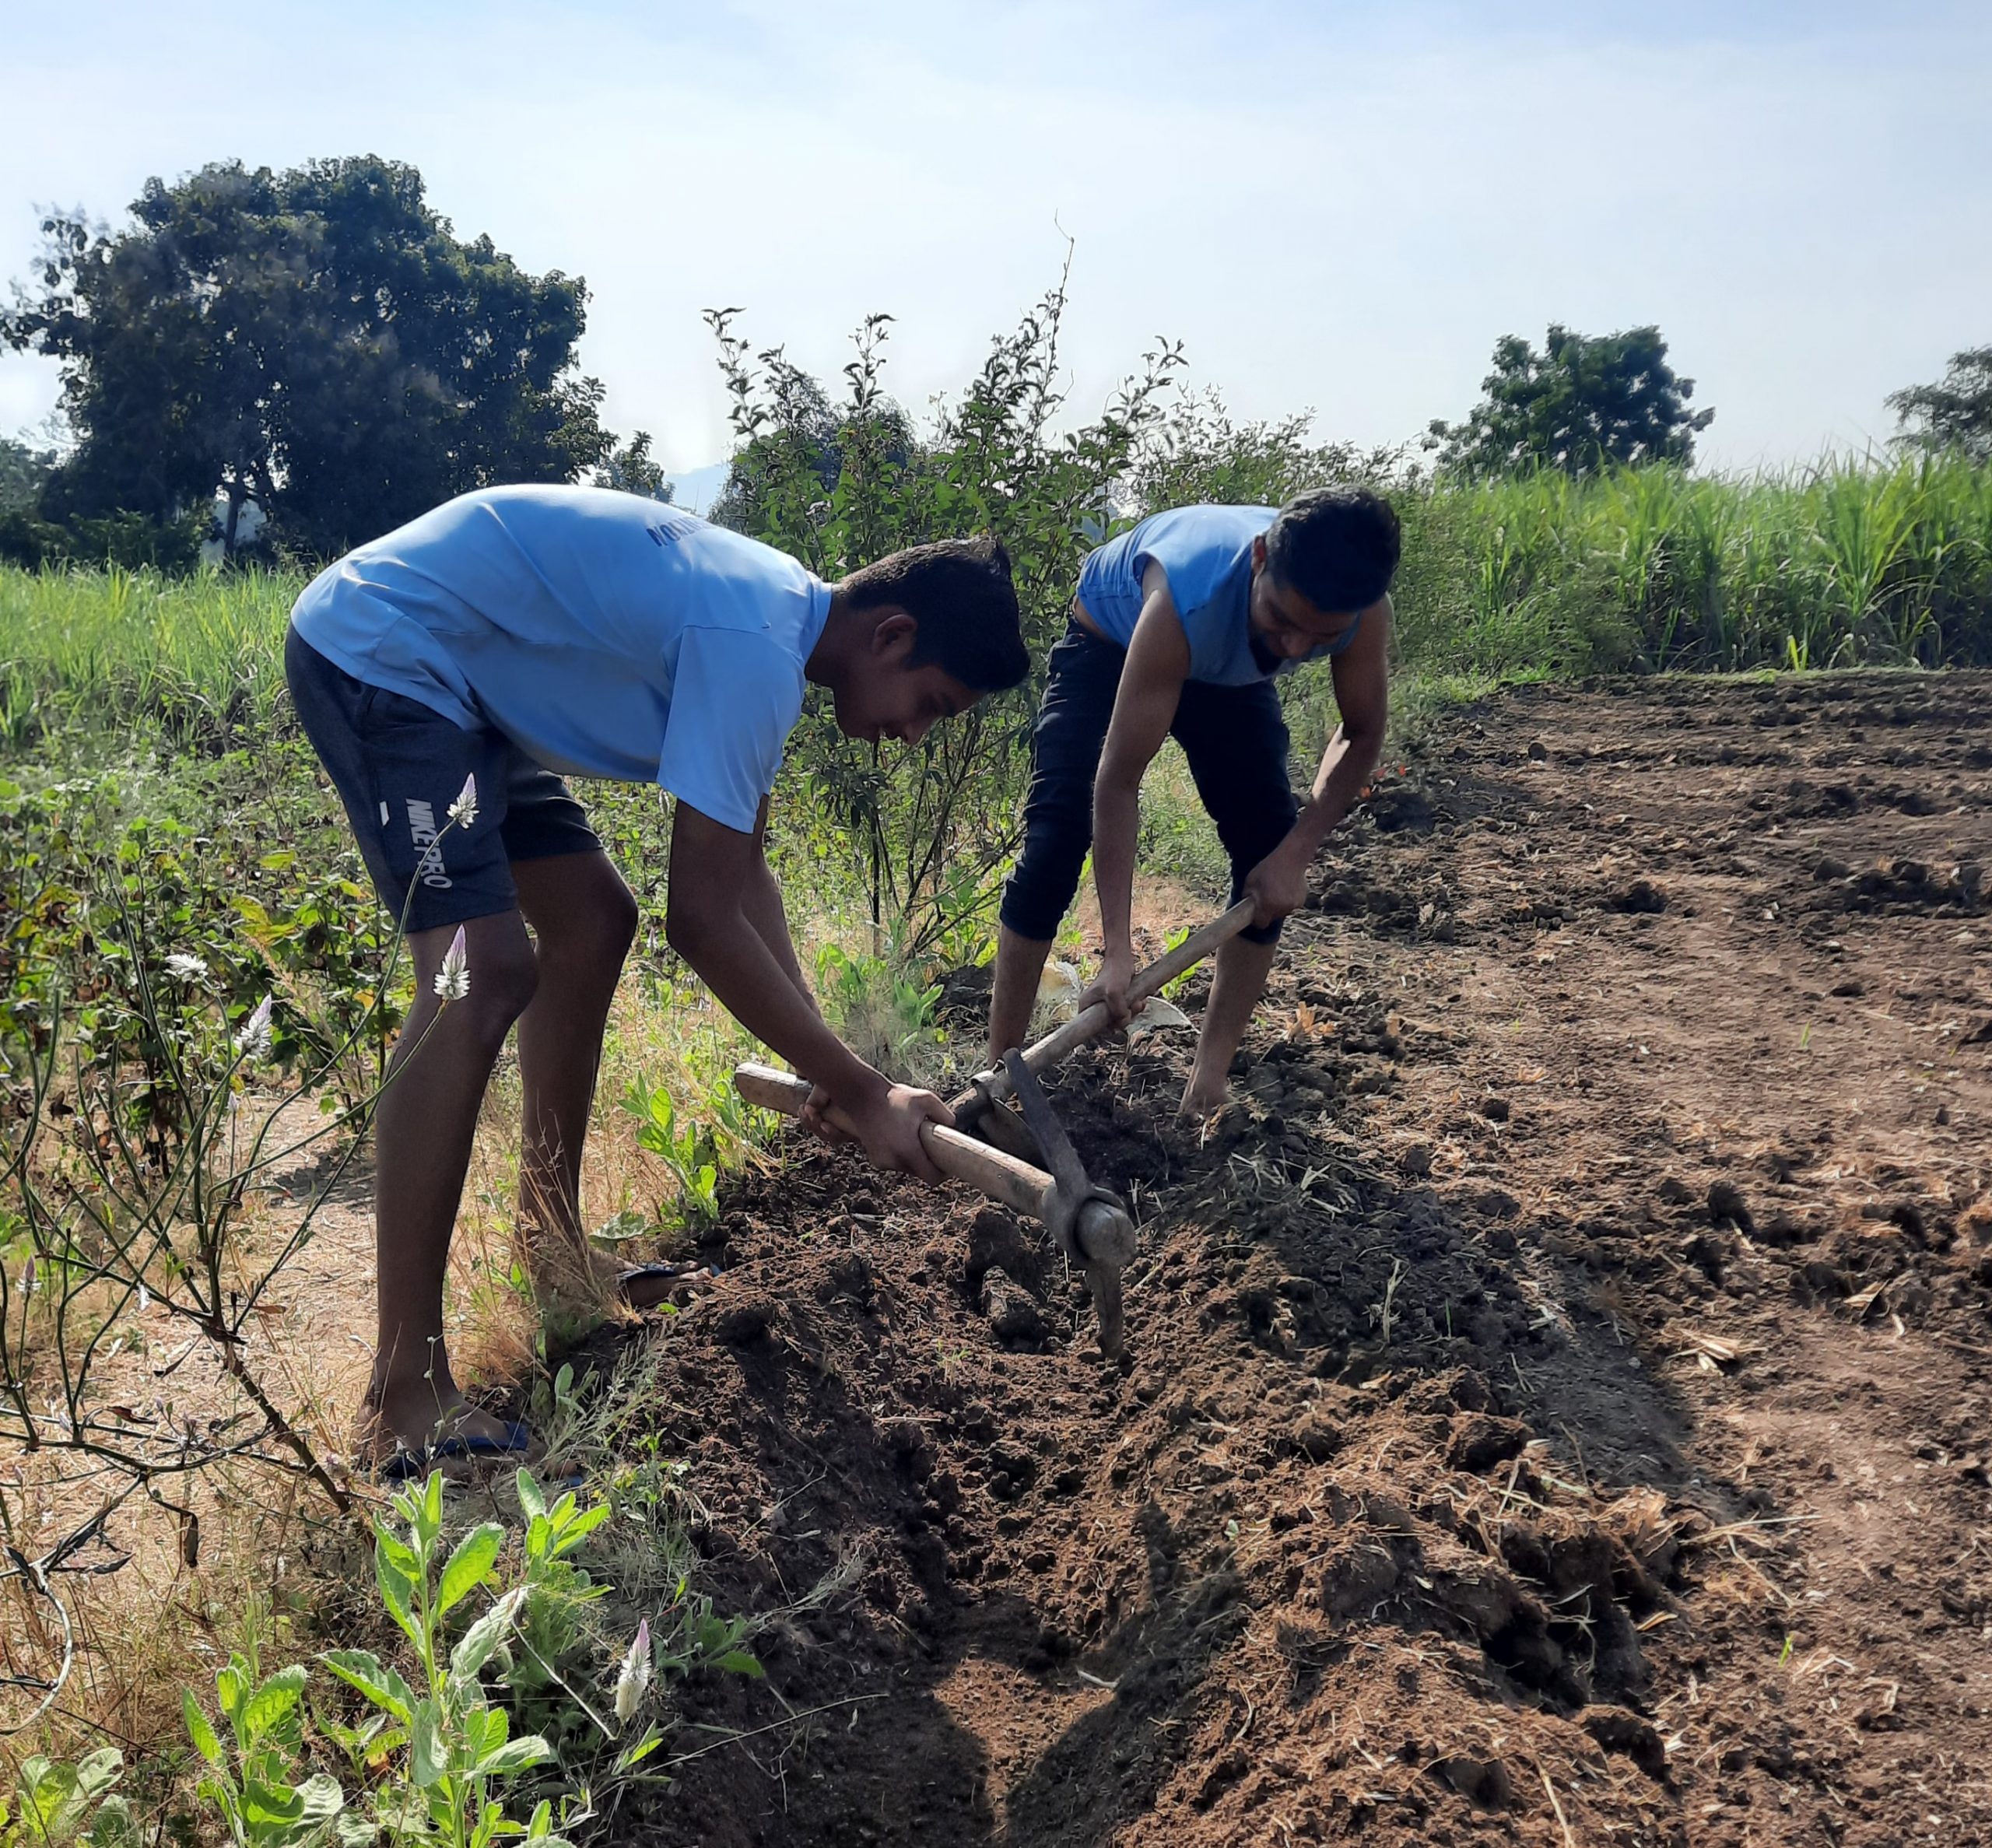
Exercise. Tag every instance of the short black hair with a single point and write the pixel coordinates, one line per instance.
(959, 591)
(1338, 547)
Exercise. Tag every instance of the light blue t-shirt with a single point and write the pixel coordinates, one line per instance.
(1206, 553)
(605, 634)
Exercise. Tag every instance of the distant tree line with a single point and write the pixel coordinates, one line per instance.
(320, 344)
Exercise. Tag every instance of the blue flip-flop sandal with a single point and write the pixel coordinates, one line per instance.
(658, 1273)
(405, 1465)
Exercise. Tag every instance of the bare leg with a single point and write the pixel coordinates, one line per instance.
(1020, 963)
(423, 1126)
(1242, 969)
(584, 919)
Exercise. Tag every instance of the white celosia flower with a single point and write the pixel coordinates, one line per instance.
(635, 1676)
(463, 811)
(187, 968)
(453, 978)
(254, 1040)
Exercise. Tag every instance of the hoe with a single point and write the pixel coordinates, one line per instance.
(998, 1152)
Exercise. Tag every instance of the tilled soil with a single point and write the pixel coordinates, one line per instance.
(1557, 1410)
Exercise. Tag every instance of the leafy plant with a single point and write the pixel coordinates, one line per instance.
(456, 1746)
(880, 1007)
(249, 1775)
(685, 1147)
(56, 1802)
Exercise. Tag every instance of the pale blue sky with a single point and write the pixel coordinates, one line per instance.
(1338, 207)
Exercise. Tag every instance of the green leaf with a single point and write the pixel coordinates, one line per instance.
(532, 1499)
(321, 1800)
(578, 1528)
(428, 1756)
(738, 1661)
(519, 1755)
(198, 1729)
(629, 1760)
(404, 1557)
(475, 1555)
(268, 1805)
(397, 1593)
(483, 1637)
(268, 1705)
(361, 1669)
(231, 1689)
(113, 1825)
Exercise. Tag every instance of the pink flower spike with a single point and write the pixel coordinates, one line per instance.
(453, 978)
(635, 1676)
(253, 1042)
(463, 811)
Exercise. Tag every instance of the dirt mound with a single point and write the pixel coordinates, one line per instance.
(1558, 1402)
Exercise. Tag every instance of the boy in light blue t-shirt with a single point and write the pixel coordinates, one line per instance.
(1179, 627)
(514, 635)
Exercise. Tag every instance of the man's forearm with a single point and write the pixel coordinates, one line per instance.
(1117, 820)
(761, 901)
(735, 962)
(1346, 765)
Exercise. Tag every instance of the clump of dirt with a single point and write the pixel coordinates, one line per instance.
(1558, 1388)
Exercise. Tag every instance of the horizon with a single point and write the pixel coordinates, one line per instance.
(1803, 205)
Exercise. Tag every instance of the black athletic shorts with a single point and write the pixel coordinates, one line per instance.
(399, 766)
(1235, 737)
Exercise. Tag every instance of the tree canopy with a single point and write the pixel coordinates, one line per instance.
(1581, 404)
(1955, 413)
(318, 340)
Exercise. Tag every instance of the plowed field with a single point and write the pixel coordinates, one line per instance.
(1560, 1401)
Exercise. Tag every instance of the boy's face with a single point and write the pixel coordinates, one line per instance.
(885, 696)
(1284, 625)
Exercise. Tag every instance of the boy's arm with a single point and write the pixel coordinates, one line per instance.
(762, 902)
(1362, 693)
(715, 921)
(1151, 688)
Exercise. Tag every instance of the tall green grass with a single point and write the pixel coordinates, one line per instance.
(1838, 564)
(203, 655)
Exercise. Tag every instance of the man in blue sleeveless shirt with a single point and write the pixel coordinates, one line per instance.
(448, 675)
(1180, 627)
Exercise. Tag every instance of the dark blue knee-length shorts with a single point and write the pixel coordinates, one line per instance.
(1235, 737)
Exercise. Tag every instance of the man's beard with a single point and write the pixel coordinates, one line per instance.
(1269, 663)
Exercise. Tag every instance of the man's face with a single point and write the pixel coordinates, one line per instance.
(1284, 625)
(886, 696)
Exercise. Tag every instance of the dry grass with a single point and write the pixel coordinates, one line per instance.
(177, 1580)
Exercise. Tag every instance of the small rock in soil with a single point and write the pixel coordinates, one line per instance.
(745, 1321)
(1316, 1438)
(1643, 895)
(1483, 1781)
(1726, 1207)
(1014, 1316)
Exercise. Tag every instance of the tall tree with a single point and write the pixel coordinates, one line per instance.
(317, 340)
(1581, 404)
(1955, 413)
(23, 468)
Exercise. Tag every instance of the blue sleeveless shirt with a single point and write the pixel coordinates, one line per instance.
(1206, 554)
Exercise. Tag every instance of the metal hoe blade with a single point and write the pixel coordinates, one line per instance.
(1073, 1195)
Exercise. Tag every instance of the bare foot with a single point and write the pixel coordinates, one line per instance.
(415, 1414)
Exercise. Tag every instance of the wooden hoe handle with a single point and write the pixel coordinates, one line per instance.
(1104, 1232)
(1057, 1046)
